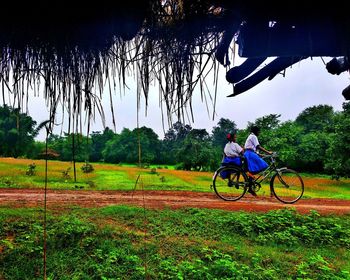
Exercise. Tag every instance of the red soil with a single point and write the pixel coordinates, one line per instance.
(57, 199)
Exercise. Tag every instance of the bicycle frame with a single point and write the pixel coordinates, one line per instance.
(269, 171)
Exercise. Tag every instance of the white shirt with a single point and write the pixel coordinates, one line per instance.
(252, 142)
(232, 149)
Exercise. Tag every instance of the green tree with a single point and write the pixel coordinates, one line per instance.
(125, 146)
(219, 132)
(267, 125)
(169, 147)
(173, 141)
(312, 151)
(242, 135)
(337, 160)
(117, 149)
(63, 145)
(267, 122)
(316, 118)
(17, 132)
(181, 131)
(285, 140)
(98, 142)
(37, 149)
(150, 145)
(56, 142)
(196, 152)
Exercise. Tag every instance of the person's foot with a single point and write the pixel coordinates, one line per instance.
(252, 192)
(250, 175)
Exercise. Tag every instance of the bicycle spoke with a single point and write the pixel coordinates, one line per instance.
(288, 186)
(229, 183)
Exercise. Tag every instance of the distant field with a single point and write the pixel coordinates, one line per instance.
(124, 177)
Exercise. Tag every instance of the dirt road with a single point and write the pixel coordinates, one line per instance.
(161, 199)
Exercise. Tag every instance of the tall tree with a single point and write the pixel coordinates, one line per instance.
(117, 149)
(219, 132)
(267, 122)
(267, 125)
(63, 145)
(285, 141)
(124, 147)
(17, 132)
(196, 152)
(181, 130)
(150, 145)
(338, 159)
(316, 118)
(98, 142)
(173, 141)
(312, 151)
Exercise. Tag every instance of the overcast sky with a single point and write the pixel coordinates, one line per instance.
(305, 84)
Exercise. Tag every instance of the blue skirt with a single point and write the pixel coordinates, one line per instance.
(232, 160)
(255, 163)
(228, 161)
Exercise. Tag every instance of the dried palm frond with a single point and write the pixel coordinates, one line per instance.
(74, 56)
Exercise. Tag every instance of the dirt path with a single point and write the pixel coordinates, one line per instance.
(161, 199)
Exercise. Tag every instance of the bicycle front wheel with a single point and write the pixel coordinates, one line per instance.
(230, 183)
(287, 186)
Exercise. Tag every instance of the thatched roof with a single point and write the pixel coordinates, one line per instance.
(76, 48)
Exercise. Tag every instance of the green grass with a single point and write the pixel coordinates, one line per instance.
(120, 242)
(113, 180)
(124, 177)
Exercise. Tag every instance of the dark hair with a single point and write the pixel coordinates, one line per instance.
(230, 136)
(255, 129)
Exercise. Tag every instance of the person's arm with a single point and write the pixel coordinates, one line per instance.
(264, 150)
(242, 151)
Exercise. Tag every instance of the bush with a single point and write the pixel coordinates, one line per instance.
(31, 169)
(87, 167)
(153, 171)
(65, 173)
(179, 166)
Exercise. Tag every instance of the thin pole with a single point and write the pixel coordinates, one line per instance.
(45, 202)
(138, 130)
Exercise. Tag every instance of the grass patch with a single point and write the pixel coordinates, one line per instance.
(121, 242)
(123, 177)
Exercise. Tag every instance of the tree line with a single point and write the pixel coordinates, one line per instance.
(316, 141)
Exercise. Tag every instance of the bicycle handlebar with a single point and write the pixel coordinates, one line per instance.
(273, 155)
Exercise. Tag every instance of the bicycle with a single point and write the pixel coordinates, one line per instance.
(231, 182)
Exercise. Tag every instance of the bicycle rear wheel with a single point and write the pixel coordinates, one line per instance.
(287, 186)
(230, 183)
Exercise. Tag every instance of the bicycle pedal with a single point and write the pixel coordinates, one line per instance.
(252, 192)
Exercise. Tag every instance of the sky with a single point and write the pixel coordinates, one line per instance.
(304, 84)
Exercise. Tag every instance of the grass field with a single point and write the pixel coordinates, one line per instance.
(120, 177)
(121, 242)
(124, 242)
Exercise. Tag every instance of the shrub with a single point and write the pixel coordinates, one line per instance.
(153, 171)
(31, 169)
(91, 184)
(162, 179)
(65, 173)
(87, 167)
